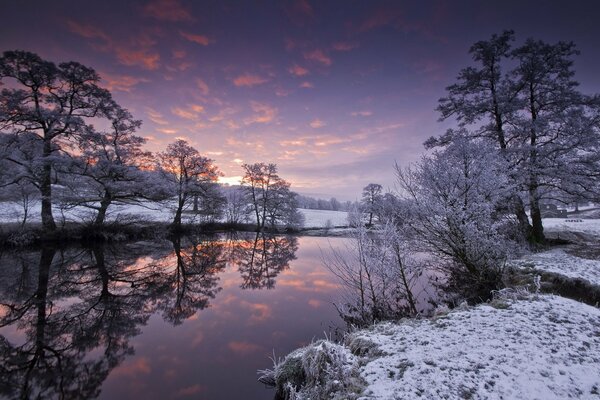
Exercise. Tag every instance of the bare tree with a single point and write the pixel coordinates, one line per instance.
(187, 173)
(371, 201)
(270, 196)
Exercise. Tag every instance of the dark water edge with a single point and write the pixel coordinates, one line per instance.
(190, 317)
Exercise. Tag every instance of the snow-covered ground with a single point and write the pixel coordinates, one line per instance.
(544, 348)
(539, 347)
(559, 262)
(149, 211)
(324, 218)
(587, 226)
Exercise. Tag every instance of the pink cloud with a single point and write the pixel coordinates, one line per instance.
(189, 391)
(190, 112)
(317, 123)
(156, 117)
(200, 39)
(318, 56)
(167, 10)
(202, 86)
(307, 85)
(263, 113)
(344, 46)
(297, 70)
(87, 31)
(364, 113)
(249, 80)
(144, 58)
(122, 83)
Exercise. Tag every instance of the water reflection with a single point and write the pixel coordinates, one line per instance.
(69, 317)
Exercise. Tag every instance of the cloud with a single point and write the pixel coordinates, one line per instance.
(344, 46)
(300, 12)
(167, 10)
(122, 83)
(142, 57)
(318, 56)
(317, 123)
(87, 31)
(249, 80)
(307, 85)
(364, 113)
(190, 391)
(191, 112)
(202, 86)
(297, 70)
(138, 51)
(156, 117)
(200, 39)
(167, 131)
(263, 113)
(178, 54)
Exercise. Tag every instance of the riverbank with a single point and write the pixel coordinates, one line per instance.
(523, 344)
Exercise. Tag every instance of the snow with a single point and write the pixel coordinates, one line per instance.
(545, 347)
(156, 212)
(320, 218)
(558, 225)
(560, 262)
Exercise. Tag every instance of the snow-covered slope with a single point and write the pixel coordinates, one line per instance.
(559, 262)
(547, 347)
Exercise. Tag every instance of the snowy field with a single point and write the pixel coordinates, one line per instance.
(559, 262)
(544, 348)
(324, 218)
(156, 212)
(587, 226)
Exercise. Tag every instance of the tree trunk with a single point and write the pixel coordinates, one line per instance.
(177, 219)
(536, 217)
(524, 225)
(46, 189)
(195, 203)
(106, 201)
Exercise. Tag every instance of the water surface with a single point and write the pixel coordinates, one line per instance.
(191, 318)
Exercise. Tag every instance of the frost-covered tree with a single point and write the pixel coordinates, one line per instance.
(187, 173)
(452, 196)
(371, 202)
(270, 196)
(113, 167)
(53, 102)
(526, 102)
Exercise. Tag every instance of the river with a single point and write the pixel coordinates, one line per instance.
(194, 317)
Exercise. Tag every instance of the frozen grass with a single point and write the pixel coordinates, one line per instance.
(559, 262)
(517, 347)
(322, 370)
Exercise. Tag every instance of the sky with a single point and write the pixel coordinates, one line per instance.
(334, 92)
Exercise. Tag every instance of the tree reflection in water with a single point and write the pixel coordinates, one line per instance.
(66, 316)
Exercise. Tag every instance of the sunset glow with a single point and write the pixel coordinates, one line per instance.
(333, 92)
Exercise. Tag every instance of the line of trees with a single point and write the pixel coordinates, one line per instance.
(52, 151)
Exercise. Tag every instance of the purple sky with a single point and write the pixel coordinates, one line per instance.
(334, 92)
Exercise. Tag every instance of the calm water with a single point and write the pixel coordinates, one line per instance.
(193, 318)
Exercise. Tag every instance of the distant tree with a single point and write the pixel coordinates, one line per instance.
(53, 103)
(335, 204)
(371, 200)
(270, 196)
(187, 173)
(237, 207)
